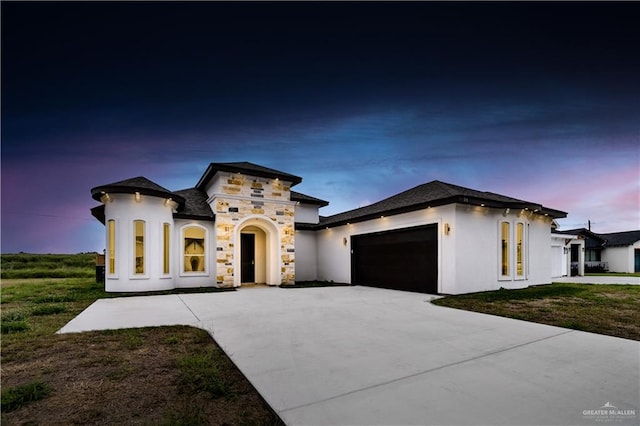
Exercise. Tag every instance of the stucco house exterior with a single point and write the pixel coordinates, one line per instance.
(612, 252)
(243, 223)
(567, 254)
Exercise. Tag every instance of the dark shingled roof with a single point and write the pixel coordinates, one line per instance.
(611, 239)
(617, 239)
(246, 168)
(433, 194)
(138, 184)
(195, 206)
(307, 199)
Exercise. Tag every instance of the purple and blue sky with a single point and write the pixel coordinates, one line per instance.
(539, 101)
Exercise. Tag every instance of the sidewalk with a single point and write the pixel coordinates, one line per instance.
(597, 279)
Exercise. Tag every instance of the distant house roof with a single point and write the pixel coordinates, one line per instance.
(246, 168)
(617, 239)
(611, 239)
(433, 194)
(307, 199)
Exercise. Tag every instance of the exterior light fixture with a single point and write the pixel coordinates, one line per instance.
(138, 197)
(344, 241)
(506, 212)
(446, 228)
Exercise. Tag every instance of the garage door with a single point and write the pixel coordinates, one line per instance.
(405, 259)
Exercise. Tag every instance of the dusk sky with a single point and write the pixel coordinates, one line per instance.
(538, 101)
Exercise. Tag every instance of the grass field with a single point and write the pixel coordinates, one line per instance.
(25, 265)
(163, 375)
(605, 309)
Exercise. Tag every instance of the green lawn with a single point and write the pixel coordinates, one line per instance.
(161, 375)
(605, 309)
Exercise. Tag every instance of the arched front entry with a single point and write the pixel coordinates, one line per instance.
(256, 251)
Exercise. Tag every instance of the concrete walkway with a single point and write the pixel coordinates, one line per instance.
(366, 356)
(597, 279)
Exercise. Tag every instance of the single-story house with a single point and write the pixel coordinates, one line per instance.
(567, 254)
(243, 223)
(612, 252)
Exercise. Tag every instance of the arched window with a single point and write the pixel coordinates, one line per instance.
(194, 249)
(138, 231)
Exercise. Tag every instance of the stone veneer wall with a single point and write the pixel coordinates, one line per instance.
(237, 197)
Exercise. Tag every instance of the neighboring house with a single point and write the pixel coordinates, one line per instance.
(612, 252)
(567, 254)
(242, 223)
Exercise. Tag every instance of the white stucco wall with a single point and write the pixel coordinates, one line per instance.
(306, 213)
(620, 259)
(124, 209)
(478, 250)
(468, 256)
(561, 254)
(306, 256)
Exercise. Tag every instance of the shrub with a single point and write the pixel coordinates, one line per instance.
(17, 396)
(14, 327)
(14, 322)
(13, 316)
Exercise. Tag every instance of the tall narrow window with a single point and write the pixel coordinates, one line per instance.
(194, 249)
(520, 250)
(112, 246)
(138, 226)
(165, 248)
(504, 250)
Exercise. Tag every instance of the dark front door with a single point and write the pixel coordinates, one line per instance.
(248, 258)
(405, 259)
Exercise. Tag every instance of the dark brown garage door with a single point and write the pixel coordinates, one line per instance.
(405, 259)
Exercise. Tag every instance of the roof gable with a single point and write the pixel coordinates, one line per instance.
(307, 199)
(245, 168)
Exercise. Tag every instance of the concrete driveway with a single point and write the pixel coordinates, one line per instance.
(366, 356)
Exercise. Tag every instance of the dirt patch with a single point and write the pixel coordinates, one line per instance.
(128, 377)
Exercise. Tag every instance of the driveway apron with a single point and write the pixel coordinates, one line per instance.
(367, 356)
